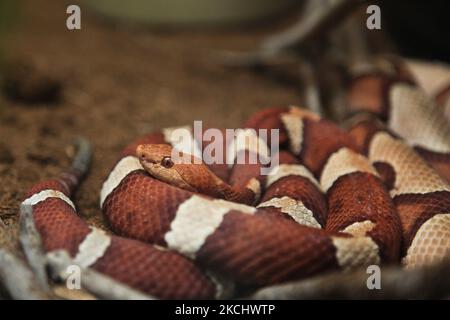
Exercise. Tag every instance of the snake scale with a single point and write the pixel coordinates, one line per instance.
(377, 193)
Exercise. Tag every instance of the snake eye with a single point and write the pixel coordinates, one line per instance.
(166, 162)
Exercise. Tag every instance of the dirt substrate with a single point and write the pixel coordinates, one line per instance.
(117, 83)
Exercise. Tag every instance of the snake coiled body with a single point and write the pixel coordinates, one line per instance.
(412, 101)
(420, 118)
(337, 200)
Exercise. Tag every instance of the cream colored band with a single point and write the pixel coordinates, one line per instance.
(412, 173)
(356, 252)
(295, 209)
(418, 119)
(195, 220)
(432, 77)
(343, 162)
(359, 229)
(46, 194)
(120, 171)
(431, 244)
(294, 125)
(294, 128)
(255, 186)
(92, 248)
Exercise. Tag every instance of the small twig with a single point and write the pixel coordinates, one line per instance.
(30, 240)
(18, 280)
(396, 283)
(82, 160)
(92, 281)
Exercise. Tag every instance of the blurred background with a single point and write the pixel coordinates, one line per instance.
(140, 65)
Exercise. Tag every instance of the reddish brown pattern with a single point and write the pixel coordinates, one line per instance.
(439, 161)
(415, 209)
(219, 169)
(142, 207)
(387, 174)
(362, 133)
(165, 274)
(320, 140)
(241, 174)
(356, 197)
(269, 119)
(285, 157)
(262, 249)
(253, 250)
(300, 188)
(59, 226)
(52, 184)
(368, 93)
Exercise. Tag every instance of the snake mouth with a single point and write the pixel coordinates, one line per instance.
(147, 164)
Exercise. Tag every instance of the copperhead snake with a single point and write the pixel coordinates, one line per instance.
(339, 200)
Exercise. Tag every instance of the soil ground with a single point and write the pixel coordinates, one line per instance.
(117, 83)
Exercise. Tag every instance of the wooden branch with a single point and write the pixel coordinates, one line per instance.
(96, 283)
(30, 240)
(311, 88)
(312, 24)
(425, 283)
(17, 279)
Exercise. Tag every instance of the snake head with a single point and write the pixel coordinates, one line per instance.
(157, 160)
(161, 162)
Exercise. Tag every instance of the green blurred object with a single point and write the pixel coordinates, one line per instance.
(191, 12)
(8, 13)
